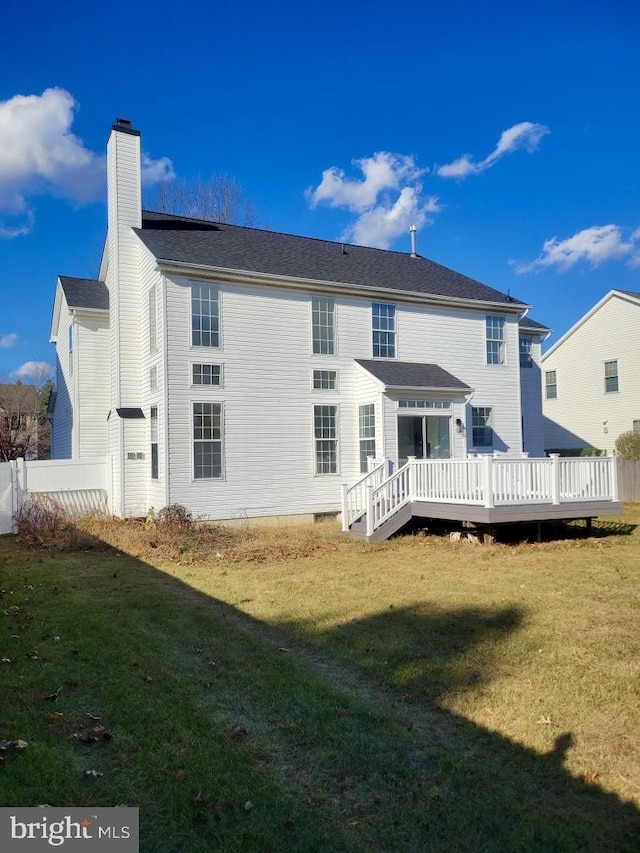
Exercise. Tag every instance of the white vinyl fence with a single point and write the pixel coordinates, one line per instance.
(75, 486)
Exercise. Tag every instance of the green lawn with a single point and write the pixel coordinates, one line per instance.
(302, 691)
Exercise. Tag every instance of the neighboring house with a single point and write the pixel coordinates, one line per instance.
(246, 373)
(592, 377)
(19, 421)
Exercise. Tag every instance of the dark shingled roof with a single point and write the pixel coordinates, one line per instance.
(528, 324)
(233, 247)
(630, 293)
(409, 374)
(85, 293)
(130, 413)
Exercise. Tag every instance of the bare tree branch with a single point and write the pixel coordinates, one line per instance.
(219, 198)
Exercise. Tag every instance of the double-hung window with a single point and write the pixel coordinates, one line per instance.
(153, 422)
(325, 380)
(482, 426)
(526, 357)
(610, 376)
(367, 430)
(323, 325)
(325, 431)
(383, 316)
(207, 441)
(205, 315)
(206, 374)
(495, 339)
(550, 385)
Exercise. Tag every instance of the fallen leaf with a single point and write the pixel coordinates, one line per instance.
(93, 734)
(181, 774)
(590, 777)
(237, 733)
(92, 774)
(12, 744)
(545, 721)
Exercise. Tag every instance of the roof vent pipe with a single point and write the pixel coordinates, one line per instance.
(412, 231)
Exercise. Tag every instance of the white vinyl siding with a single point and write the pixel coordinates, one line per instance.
(205, 315)
(153, 319)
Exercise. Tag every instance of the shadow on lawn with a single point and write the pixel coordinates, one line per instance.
(347, 727)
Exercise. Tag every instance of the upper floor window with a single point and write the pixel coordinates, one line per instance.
(205, 315)
(325, 380)
(153, 378)
(367, 433)
(384, 330)
(206, 374)
(323, 325)
(610, 376)
(550, 385)
(495, 340)
(482, 426)
(526, 356)
(153, 320)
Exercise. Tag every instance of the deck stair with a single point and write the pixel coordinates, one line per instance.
(482, 490)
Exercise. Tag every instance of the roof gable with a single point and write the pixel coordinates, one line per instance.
(236, 248)
(87, 293)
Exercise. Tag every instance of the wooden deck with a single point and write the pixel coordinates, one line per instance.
(485, 492)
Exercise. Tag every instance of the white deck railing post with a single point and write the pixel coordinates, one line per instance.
(488, 480)
(370, 508)
(345, 508)
(555, 478)
(412, 478)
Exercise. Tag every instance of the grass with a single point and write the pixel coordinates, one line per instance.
(292, 689)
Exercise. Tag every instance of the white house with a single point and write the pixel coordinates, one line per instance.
(592, 376)
(247, 373)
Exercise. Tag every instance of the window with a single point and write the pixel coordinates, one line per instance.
(424, 404)
(325, 380)
(323, 325)
(207, 441)
(636, 427)
(610, 376)
(206, 374)
(205, 315)
(482, 426)
(367, 420)
(326, 439)
(153, 378)
(70, 350)
(384, 330)
(526, 357)
(153, 320)
(550, 385)
(495, 340)
(153, 421)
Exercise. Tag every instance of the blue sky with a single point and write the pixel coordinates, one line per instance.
(508, 132)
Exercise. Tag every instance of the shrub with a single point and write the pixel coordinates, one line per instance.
(575, 451)
(174, 518)
(42, 523)
(628, 446)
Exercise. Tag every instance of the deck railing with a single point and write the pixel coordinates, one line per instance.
(483, 481)
(355, 497)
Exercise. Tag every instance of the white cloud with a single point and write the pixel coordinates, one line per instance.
(525, 135)
(387, 201)
(155, 171)
(593, 246)
(39, 155)
(36, 371)
(8, 341)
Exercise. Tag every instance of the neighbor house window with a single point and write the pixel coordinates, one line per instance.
(325, 380)
(482, 426)
(205, 315)
(207, 441)
(70, 350)
(550, 385)
(526, 357)
(610, 376)
(153, 319)
(153, 378)
(325, 431)
(495, 339)
(383, 318)
(153, 421)
(323, 325)
(206, 374)
(367, 431)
